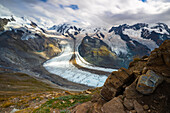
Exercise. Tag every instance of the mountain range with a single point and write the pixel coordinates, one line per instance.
(122, 43)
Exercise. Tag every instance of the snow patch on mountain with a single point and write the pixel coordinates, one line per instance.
(158, 28)
(132, 32)
(136, 35)
(116, 44)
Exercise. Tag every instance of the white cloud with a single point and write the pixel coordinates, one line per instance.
(92, 12)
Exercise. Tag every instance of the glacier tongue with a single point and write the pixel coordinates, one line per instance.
(61, 66)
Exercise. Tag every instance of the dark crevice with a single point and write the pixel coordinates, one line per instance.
(127, 83)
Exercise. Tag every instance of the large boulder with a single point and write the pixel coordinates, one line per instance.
(115, 83)
(148, 82)
(113, 106)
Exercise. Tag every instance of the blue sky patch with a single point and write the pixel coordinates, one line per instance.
(44, 0)
(75, 21)
(61, 6)
(144, 0)
(74, 7)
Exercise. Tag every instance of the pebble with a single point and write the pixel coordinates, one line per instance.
(145, 107)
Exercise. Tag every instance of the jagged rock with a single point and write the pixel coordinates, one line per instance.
(128, 103)
(138, 107)
(137, 65)
(98, 105)
(114, 83)
(147, 83)
(159, 60)
(131, 92)
(115, 105)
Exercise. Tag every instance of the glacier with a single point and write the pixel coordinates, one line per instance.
(61, 66)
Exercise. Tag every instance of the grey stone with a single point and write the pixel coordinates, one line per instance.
(148, 82)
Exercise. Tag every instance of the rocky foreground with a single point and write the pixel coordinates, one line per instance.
(142, 88)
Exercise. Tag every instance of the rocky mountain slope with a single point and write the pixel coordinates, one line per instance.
(98, 52)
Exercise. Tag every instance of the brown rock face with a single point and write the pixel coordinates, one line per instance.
(138, 107)
(137, 65)
(97, 106)
(113, 106)
(128, 103)
(114, 83)
(159, 60)
(131, 92)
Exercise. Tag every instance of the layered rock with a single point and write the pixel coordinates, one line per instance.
(159, 60)
(115, 83)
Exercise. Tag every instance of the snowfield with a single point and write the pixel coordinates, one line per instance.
(61, 66)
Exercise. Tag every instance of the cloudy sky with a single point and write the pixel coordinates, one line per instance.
(89, 12)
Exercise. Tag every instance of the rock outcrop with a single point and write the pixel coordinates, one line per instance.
(159, 60)
(115, 83)
(148, 82)
(3, 22)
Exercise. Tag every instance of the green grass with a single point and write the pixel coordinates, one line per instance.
(62, 103)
